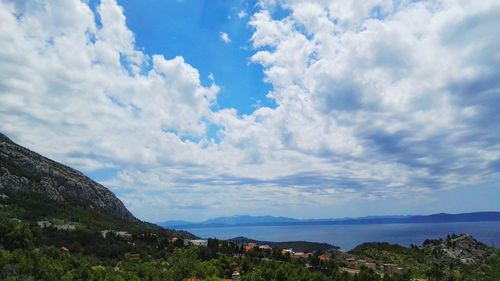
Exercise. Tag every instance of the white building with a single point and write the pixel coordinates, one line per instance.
(66, 227)
(235, 276)
(200, 243)
(44, 224)
(122, 234)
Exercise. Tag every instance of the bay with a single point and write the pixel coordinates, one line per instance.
(349, 236)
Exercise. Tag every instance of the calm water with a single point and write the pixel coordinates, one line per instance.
(348, 236)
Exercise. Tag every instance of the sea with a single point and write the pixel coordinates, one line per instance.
(348, 236)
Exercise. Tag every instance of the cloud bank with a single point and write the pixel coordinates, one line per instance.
(375, 99)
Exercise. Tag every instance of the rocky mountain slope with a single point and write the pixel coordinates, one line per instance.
(463, 248)
(26, 171)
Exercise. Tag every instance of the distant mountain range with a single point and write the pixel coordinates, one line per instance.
(270, 220)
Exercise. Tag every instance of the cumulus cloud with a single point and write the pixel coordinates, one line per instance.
(225, 37)
(111, 102)
(375, 99)
(378, 81)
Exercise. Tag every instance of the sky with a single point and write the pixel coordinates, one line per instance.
(192, 109)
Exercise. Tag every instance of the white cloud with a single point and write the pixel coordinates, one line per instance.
(381, 87)
(87, 81)
(242, 14)
(375, 99)
(225, 37)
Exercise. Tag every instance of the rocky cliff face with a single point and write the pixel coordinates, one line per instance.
(463, 248)
(25, 170)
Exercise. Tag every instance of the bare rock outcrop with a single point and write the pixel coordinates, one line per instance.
(463, 248)
(24, 170)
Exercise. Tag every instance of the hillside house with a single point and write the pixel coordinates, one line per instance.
(196, 242)
(301, 255)
(371, 265)
(391, 268)
(44, 224)
(358, 263)
(250, 246)
(235, 276)
(121, 234)
(66, 227)
(324, 258)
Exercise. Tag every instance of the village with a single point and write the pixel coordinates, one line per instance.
(310, 259)
(350, 263)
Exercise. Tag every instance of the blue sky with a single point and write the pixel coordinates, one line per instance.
(309, 109)
(193, 29)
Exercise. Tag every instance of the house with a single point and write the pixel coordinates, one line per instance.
(66, 227)
(196, 242)
(235, 276)
(357, 264)
(3, 196)
(250, 246)
(174, 239)
(104, 233)
(371, 265)
(351, 262)
(287, 251)
(44, 224)
(121, 234)
(391, 268)
(64, 249)
(264, 247)
(324, 258)
(301, 255)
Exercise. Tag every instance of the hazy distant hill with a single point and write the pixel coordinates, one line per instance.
(232, 220)
(270, 220)
(248, 219)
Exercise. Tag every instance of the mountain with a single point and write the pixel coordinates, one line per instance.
(270, 221)
(24, 170)
(463, 248)
(248, 219)
(173, 222)
(57, 224)
(232, 220)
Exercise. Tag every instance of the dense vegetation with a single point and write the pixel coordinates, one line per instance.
(430, 262)
(24, 257)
